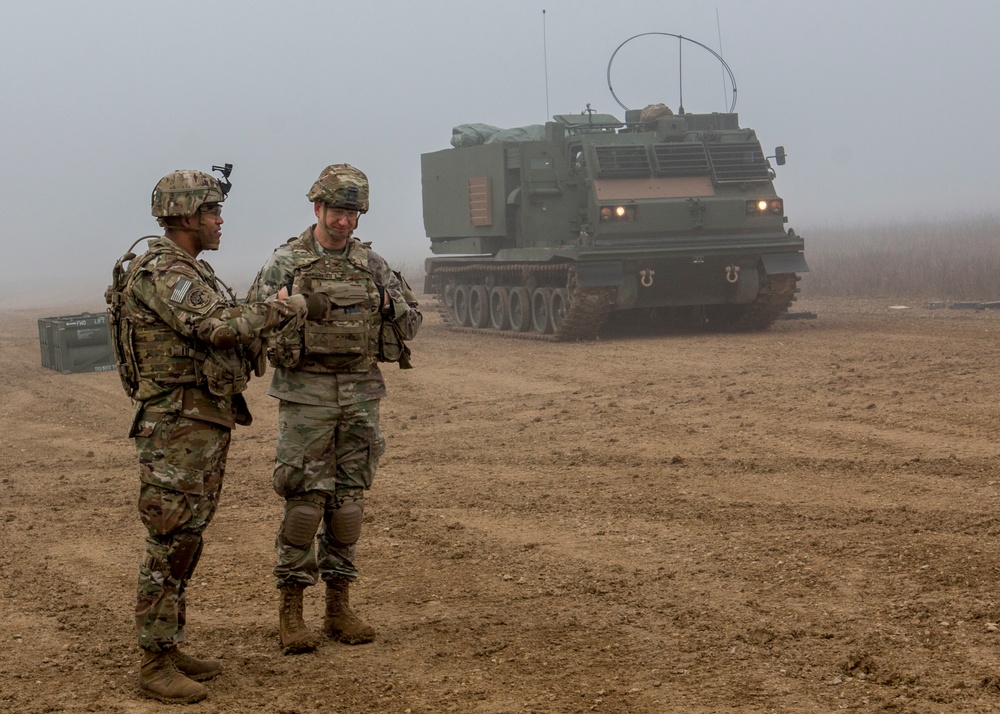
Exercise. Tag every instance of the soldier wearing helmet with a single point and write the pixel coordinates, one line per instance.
(185, 352)
(329, 385)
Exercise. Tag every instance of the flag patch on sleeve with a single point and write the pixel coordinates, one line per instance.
(180, 291)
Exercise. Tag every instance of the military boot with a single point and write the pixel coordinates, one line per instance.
(199, 670)
(295, 636)
(160, 679)
(340, 622)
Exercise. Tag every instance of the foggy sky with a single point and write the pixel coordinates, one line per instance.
(886, 109)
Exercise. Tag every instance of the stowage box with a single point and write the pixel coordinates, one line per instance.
(76, 343)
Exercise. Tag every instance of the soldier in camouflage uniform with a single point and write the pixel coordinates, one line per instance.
(182, 345)
(329, 383)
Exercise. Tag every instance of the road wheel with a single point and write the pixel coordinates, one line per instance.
(558, 308)
(460, 309)
(519, 303)
(499, 308)
(479, 307)
(540, 320)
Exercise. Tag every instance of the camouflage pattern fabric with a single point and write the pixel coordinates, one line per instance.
(182, 428)
(181, 193)
(329, 440)
(306, 387)
(182, 462)
(327, 455)
(169, 298)
(341, 186)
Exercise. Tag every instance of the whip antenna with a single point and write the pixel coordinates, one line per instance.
(545, 56)
(718, 26)
(680, 73)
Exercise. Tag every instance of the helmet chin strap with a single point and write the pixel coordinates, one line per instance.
(186, 229)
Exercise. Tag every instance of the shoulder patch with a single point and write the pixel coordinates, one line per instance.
(180, 291)
(197, 298)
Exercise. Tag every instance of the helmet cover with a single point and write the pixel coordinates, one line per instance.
(341, 186)
(182, 193)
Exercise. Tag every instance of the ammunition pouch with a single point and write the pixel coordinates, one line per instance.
(346, 338)
(391, 345)
(285, 350)
(224, 373)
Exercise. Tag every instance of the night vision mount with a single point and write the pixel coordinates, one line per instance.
(224, 183)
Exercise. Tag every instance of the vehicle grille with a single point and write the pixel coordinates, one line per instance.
(738, 163)
(622, 162)
(680, 159)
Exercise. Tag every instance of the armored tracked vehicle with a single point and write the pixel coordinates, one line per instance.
(545, 232)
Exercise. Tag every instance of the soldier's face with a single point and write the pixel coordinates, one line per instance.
(210, 226)
(338, 223)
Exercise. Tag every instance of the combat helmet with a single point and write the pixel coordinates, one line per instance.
(182, 193)
(341, 186)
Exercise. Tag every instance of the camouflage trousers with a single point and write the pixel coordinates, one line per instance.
(327, 456)
(181, 464)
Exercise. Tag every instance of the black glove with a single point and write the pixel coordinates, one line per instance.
(317, 306)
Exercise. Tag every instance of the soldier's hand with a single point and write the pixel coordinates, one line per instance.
(384, 302)
(218, 333)
(258, 357)
(317, 306)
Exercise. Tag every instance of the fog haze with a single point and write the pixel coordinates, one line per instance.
(886, 109)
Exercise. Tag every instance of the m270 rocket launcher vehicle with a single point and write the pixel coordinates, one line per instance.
(545, 231)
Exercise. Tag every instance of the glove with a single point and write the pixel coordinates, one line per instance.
(317, 306)
(258, 357)
(216, 332)
(385, 310)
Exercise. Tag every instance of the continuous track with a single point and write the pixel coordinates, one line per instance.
(777, 293)
(589, 308)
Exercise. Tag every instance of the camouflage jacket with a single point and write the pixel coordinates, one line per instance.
(167, 297)
(303, 385)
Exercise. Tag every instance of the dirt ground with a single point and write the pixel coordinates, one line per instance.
(800, 520)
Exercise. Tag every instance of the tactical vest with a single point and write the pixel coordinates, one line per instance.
(152, 357)
(347, 340)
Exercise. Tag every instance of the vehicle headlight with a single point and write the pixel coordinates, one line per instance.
(765, 206)
(617, 213)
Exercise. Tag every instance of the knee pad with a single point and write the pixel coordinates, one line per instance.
(301, 522)
(343, 524)
(187, 549)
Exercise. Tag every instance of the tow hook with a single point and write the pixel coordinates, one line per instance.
(646, 277)
(732, 273)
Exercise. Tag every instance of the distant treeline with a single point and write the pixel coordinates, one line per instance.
(948, 260)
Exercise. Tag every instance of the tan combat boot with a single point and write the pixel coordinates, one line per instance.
(199, 670)
(159, 679)
(295, 636)
(340, 622)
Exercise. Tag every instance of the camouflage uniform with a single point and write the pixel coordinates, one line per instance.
(184, 351)
(329, 440)
(187, 402)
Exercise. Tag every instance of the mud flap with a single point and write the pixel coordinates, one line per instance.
(784, 263)
(599, 275)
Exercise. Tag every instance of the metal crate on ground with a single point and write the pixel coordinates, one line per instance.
(76, 343)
